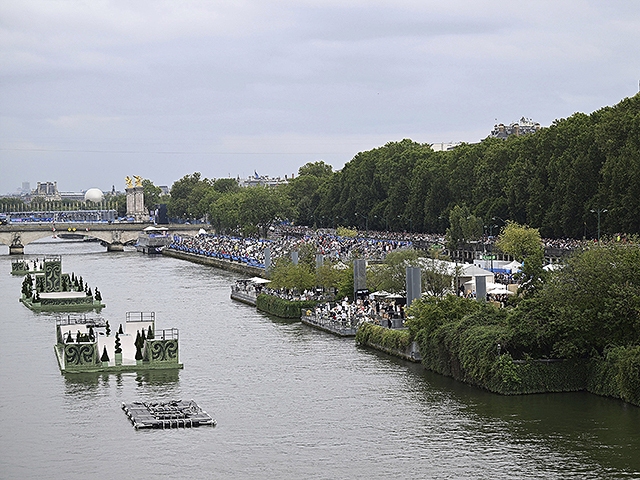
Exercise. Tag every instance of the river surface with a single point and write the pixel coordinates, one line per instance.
(291, 402)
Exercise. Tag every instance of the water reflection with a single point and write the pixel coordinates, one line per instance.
(168, 377)
(291, 401)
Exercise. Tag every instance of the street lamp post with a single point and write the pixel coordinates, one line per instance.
(410, 225)
(490, 227)
(599, 211)
(385, 221)
(366, 222)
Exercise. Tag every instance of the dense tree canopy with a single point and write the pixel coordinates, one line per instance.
(550, 180)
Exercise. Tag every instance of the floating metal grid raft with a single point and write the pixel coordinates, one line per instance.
(171, 414)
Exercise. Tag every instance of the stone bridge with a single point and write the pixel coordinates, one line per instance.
(115, 235)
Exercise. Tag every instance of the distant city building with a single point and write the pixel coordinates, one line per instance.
(444, 147)
(262, 181)
(524, 127)
(47, 191)
(164, 189)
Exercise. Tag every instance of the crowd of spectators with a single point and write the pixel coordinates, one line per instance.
(353, 314)
(439, 239)
(252, 251)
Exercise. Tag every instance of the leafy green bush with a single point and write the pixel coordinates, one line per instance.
(369, 333)
(283, 308)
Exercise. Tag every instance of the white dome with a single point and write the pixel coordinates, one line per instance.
(93, 195)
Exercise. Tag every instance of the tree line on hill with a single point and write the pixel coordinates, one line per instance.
(562, 180)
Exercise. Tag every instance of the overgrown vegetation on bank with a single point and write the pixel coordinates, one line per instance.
(283, 308)
(579, 331)
(369, 333)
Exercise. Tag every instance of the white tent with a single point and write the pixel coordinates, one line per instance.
(379, 293)
(498, 289)
(259, 280)
(513, 266)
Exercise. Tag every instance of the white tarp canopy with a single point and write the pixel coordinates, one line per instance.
(492, 288)
(259, 280)
(392, 296)
(151, 228)
(513, 266)
(379, 293)
(470, 270)
(498, 289)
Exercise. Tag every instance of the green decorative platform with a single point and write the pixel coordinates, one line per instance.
(24, 266)
(54, 291)
(90, 345)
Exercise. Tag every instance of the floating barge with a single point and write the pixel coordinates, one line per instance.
(90, 345)
(171, 414)
(153, 240)
(337, 327)
(50, 290)
(24, 266)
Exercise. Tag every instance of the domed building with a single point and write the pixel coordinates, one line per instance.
(93, 195)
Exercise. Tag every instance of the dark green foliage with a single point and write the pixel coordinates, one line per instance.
(118, 347)
(39, 283)
(92, 334)
(27, 286)
(139, 347)
(549, 180)
(150, 333)
(108, 328)
(283, 308)
(105, 355)
(591, 303)
(151, 194)
(369, 333)
(580, 332)
(120, 331)
(69, 337)
(617, 374)
(98, 296)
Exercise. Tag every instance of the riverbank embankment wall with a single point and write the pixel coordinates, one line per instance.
(216, 262)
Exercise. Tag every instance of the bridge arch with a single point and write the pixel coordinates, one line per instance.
(114, 235)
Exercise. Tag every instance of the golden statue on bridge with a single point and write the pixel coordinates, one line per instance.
(129, 181)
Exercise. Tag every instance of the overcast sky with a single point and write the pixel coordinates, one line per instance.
(92, 91)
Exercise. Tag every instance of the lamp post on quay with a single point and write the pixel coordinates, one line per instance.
(490, 227)
(385, 221)
(366, 222)
(410, 225)
(599, 211)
